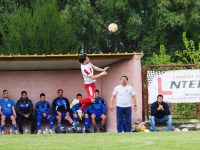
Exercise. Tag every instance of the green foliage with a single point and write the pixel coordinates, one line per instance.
(86, 25)
(161, 58)
(191, 54)
(184, 110)
(133, 26)
(6, 9)
(166, 22)
(41, 30)
(41, 26)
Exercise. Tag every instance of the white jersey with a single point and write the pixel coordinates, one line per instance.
(124, 95)
(87, 70)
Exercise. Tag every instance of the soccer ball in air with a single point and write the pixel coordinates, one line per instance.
(112, 27)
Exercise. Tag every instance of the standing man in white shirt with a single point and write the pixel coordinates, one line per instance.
(124, 94)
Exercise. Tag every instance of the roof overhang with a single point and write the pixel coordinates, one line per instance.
(58, 62)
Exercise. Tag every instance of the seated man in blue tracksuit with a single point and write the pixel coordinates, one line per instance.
(98, 110)
(61, 109)
(7, 111)
(160, 113)
(86, 116)
(43, 113)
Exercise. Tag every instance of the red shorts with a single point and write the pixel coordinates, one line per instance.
(90, 90)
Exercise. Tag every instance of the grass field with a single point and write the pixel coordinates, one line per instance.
(103, 141)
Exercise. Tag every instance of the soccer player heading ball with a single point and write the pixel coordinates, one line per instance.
(87, 70)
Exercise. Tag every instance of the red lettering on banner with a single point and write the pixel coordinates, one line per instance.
(160, 90)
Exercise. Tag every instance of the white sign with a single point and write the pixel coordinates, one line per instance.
(176, 86)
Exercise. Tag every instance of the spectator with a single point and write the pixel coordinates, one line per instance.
(85, 114)
(61, 109)
(160, 113)
(98, 111)
(24, 109)
(43, 113)
(124, 93)
(75, 108)
(7, 111)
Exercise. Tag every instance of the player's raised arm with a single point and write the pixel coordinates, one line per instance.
(100, 69)
(98, 75)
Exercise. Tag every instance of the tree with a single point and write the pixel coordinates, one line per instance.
(191, 53)
(159, 58)
(143, 25)
(39, 30)
(6, 10)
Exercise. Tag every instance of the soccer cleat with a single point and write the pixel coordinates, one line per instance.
(102, 129)
(87, 131)
(74, 102)
(16, 132)
(80, 114)
(75, 124)
(39, 132)
(50, 131)
(2, 132)
(95, 130)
